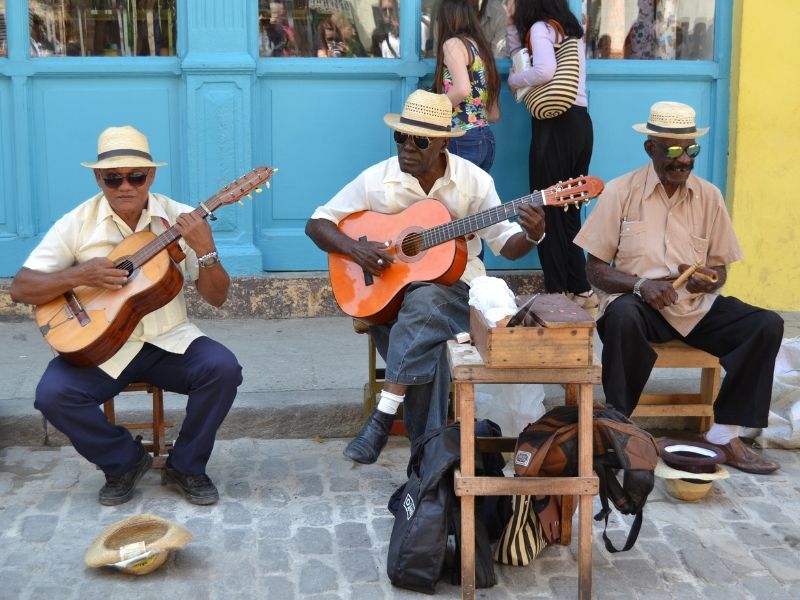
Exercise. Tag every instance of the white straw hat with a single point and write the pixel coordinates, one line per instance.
(122, 147)
(671, 120)
(426, 114)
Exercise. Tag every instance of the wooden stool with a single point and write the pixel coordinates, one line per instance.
(158, 445)
(677, 355)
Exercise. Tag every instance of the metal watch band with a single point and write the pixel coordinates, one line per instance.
(637, 287)
(208, 260)
(535, 242)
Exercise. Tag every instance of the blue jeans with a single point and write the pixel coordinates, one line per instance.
(477, 146)
(414, 349)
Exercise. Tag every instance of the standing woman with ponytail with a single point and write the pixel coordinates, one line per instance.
(466, 72)
(561, 147)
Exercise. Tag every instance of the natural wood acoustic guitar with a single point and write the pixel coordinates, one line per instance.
(88, 325)
(427, 245)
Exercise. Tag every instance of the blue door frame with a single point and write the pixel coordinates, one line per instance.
(217, 109)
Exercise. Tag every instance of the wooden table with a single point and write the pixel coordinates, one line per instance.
(466, 369)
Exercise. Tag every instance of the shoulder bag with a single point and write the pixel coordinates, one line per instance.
(554, 97)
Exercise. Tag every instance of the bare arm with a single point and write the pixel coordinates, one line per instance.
(214, 282)
(455, 59)
(531, 218)
(38, 287)
(327, 237)
(602, 275)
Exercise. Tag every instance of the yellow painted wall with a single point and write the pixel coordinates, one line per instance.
(764, 161)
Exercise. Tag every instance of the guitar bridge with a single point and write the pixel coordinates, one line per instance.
(73, 309)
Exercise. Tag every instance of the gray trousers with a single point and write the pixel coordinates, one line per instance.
(413, 346)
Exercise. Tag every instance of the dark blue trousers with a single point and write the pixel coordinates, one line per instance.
(71, 398)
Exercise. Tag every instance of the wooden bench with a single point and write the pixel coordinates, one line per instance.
(678, 355)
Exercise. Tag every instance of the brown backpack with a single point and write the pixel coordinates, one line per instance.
(549, 447)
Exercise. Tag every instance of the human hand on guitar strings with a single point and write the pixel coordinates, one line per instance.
(531, 218)
(371, 255)
(100, 272)
(196, 232)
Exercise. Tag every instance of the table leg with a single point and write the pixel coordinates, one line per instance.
(585, 470)
(465, 400)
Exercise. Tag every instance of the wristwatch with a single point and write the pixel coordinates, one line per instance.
(535, 242)
(637, 288)
(208, 260)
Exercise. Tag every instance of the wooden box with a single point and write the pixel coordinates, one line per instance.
(562, 337)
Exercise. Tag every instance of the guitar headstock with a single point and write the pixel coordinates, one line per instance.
(574, 191)
(250, 182)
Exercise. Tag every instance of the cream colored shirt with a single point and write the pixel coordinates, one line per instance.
(464, 189)
(92, 230)
(647, 234)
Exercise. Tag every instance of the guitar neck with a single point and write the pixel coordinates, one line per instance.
(461, 227)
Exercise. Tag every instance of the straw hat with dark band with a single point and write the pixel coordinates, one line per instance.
(122, 147)
(671, 120)
(136, 545)
(425, 114)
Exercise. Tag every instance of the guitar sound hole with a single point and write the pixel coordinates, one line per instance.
(126, 265)
(412, 244)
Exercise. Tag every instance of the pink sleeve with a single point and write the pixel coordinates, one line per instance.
(543, 58)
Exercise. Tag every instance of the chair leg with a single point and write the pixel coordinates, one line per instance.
(709, 388)
(108, 409)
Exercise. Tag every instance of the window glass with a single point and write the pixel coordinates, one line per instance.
(102, 27)
(492, 19)
(651, 29)
(329, 28)
(3, 37)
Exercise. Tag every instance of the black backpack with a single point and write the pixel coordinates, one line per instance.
(549, 447)
(425, 542)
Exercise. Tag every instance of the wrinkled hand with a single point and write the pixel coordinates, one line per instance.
(510, 8)
(658, 294)
(699, 282)
(101, 273)
(372, 256)
(196, 232)
(531, 218)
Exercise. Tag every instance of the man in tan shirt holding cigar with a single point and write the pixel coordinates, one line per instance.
(659, 242)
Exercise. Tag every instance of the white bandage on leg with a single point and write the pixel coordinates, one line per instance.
(389, 402)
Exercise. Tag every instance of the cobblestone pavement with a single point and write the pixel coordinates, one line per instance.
(297, 520)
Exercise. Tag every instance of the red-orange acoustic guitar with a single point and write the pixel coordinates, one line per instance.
(427, 245)
(88, 325)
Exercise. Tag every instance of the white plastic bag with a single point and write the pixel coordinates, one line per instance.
(511, 405)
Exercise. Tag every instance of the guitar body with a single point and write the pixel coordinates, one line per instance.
(90, 337)
(379, 301)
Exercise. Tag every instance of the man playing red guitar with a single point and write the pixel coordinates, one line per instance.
(431, 313)
(165, 349)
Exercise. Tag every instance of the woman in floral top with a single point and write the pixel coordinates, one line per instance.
(466, 72)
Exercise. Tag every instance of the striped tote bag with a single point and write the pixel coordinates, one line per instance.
(523, 538)
(554, 98)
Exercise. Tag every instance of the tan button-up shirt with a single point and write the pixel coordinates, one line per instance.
(647, 234)
(92, 230)
(464, 189)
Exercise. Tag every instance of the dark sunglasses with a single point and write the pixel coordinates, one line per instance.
(421, 141)
(673, 152)
(114, 180)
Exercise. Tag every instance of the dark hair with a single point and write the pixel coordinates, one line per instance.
(324, 24)
(529, 12)
(458, 18)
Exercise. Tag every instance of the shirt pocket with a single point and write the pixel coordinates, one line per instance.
(631, 240)
(699, 248)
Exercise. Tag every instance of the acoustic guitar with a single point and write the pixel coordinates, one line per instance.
(88, 325)
(427, 245)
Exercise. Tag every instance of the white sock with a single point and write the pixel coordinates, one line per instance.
(722, 434)
(389, 402)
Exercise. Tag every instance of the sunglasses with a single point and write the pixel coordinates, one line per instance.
(114, 180)
(421, 142)
(674, 152)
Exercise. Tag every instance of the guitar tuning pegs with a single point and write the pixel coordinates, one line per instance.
(267, 184)
(241, 203)
(566, 207)
(249, 196)
(259, 190)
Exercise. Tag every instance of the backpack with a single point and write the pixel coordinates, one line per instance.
(425, 542)
(549, 447)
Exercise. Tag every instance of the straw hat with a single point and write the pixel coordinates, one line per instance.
(426, 114)
(122, 147)
(136, 545)
(689, 468)
(671, 120)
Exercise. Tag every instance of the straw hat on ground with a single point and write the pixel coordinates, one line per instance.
(671, 120)
(689, 468)
(136, 545)
(425, 114)
(122, 147)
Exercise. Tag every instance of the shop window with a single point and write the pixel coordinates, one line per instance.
(3, 36)
(492, 18)
(651, 29)
(102, 27)
(329, 28)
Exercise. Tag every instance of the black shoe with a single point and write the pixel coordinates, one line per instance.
(367, 445)
(198, 489)
(119, 488)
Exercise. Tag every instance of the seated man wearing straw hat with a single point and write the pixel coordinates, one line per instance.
(165, 349)
(413, 345)
(649, 226)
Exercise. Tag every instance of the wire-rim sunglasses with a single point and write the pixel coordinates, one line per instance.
(420, 141)
(674, 152)
(114, 180)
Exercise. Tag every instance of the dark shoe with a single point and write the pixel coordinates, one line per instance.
(198, 489)
(367, 445)
(739, 456)
(119, 488)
